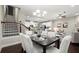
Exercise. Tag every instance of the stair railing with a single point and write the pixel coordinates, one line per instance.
(20, 24)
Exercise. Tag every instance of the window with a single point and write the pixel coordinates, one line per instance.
(10, 10)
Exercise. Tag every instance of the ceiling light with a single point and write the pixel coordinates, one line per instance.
(44, 12)
(37, 11)
(39, 15)
(77, 14)
(34, 13)
(61, 14)
(60, 17)
(28, 16)
(72, 5)
(31, 22)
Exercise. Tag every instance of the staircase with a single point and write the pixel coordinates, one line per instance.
(9, 29)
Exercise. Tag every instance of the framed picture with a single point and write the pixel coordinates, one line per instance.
(77, 25)
(65, 25)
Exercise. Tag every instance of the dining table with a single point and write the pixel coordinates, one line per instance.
(45, 42)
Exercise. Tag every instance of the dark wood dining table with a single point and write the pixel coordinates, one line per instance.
(46, 43)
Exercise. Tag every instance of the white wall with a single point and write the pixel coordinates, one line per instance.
(0, 26)
(71, 24)
(21, 16)
(48, 24)
(72, 21)
(8, 41)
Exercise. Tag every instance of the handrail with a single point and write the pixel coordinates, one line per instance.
(16, 23)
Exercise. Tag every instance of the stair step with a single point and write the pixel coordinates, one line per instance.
(10, 35)
(10, 31)
(10, 18)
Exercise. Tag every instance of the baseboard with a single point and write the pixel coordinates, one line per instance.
(75, 43)
(11, 44)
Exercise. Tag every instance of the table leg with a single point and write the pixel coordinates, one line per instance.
(44, 49)
(58, 43)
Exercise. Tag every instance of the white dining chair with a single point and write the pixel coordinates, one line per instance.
(44, 33)
(63, 46)
(51, 34)
(28, 45)
(29, 33)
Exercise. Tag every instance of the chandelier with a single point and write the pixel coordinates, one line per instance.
(62, 14)
(39, 13)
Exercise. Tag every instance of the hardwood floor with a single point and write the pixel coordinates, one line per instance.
(13, 49)
(73, 48)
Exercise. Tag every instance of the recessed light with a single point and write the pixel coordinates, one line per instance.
(44, 13)
(77, 14)
(31, 22)
(60, 17)
(39, 15)
(72, 5)
(28, 16)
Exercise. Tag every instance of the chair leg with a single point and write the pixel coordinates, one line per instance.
(23, 50)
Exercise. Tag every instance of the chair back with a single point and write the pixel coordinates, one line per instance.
(29, 33)
(65, 44)
(44, 33)
(51, 34)
(27, 43)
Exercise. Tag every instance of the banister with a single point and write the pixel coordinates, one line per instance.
(16, 23)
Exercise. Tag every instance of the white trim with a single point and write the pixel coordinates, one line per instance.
(0, 49)
(11, 44)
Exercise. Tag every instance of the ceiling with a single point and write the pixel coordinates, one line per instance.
(52, 10)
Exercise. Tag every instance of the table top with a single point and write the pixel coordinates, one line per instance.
(42, 40)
